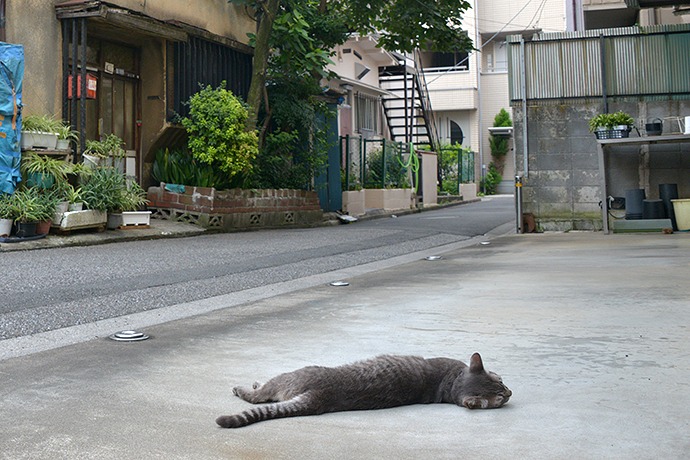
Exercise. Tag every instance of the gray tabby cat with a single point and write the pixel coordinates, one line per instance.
(384, 381)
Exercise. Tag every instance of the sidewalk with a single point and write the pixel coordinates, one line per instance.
(589, 331)
(159, 228)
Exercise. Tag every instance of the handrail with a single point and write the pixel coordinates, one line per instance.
(425, 102)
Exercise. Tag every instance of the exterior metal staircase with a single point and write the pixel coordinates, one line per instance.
(408, 108)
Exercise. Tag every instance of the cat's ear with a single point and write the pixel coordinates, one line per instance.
(476, 364)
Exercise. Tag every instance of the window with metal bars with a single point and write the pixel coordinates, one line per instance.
(367, 113)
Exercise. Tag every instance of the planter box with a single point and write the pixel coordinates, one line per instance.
(129, 219)
(30, 140)
(74, 220)
(388, 198)
(353, 203)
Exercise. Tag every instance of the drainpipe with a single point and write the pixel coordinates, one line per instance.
(602, 54)
(3, 20)
(477, 57)
(523, 73)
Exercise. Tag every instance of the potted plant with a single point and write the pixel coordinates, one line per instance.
(611, 125)
(43, 171)
(7, 214)
(127, 211)
(47, 206)
(73, 195)
(39, 131)
(28, 211)
(109, 147)
(65, 136)
(101, 189)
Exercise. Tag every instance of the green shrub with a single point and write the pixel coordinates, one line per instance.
(385, 171)
(491, 180)
(499, 144)
(216, 129)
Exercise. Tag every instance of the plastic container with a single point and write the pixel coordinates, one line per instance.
(668, 192)
(681, 208)
(653, 209)
(633, 203)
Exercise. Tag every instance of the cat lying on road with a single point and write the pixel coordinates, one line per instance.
(384, 381)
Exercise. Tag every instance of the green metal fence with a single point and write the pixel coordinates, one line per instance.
(456, 166)
(373, 163)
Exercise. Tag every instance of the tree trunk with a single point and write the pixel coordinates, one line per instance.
(260, 64)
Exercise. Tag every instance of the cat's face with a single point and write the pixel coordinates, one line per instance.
(481, 389)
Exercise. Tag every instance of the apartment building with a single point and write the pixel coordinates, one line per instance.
(467, 90)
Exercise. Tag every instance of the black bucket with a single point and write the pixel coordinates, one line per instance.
(653, 209)
(633, 203)
(668, 192)
(654, 128)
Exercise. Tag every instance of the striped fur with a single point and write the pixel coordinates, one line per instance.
(381, 382)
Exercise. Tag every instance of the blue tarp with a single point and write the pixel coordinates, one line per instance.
(11, 78)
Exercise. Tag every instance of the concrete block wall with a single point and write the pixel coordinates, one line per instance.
(237, 208)
(562, 187)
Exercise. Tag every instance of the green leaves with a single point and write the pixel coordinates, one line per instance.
(499, 144)
(216, 129)
(408, 24)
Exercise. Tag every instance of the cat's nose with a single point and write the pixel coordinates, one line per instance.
(508, 393)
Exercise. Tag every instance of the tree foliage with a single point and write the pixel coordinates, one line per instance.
(298, 36)
(499, 144)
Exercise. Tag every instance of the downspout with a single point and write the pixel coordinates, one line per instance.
(3, 21)
(602, 57)
(523, 74)
(477, 57)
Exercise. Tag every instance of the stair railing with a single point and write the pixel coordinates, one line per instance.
(425, 103)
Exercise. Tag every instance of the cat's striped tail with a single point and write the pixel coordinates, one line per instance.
(299, 405)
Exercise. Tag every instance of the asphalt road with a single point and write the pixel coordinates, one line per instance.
(51, 289)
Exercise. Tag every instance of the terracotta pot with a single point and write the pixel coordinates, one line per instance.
(42, 228)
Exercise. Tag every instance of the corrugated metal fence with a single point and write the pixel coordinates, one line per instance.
(649, 61)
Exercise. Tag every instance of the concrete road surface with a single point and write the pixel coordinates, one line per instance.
(589, 331)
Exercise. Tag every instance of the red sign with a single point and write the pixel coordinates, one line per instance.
(91, 86)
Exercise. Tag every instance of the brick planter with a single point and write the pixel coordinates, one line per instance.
(237, 208)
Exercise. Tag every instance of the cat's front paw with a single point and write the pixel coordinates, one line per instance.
(475, 402)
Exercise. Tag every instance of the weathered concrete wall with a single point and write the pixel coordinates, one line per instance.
(562, 186)
(32, 23)
(218, 17)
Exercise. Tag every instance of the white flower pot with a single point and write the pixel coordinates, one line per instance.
(5, 227)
